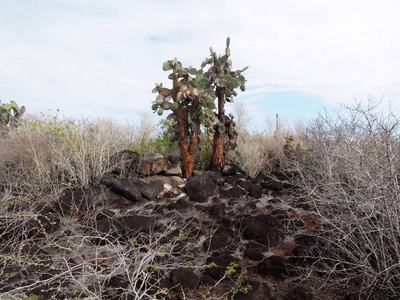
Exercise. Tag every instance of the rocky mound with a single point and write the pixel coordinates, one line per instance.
(156, 235)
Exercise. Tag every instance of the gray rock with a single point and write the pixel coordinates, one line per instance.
(135, 189)
(228, 170)
(200, 187)
(174, 171)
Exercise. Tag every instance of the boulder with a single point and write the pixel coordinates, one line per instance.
(124, 162)
(158, 181)
(152, 164)
(200, 187)
(233, 193)
(180, 205)
(255, 190)
(174, 171)
(228, 170)
(125, 224)
(134, 189)
(272, 184)
(221, 262)
(262, 229)
(184, 278)
(253, 254)
(273, 266)
(220, 239)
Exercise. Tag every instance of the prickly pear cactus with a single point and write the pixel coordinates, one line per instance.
(195, 93)
(10, 115)
(192, 99)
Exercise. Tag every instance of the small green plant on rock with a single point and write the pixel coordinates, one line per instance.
(237, 279)
(111, 293)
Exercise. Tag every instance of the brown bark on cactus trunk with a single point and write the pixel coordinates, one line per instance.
(218, 158)
(188, 150)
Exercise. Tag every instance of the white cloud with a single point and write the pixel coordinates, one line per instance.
(103, 57)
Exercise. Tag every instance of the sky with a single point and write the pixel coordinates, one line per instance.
(98, 58)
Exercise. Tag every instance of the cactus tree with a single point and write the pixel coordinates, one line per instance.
(10, 115)
(192, 102)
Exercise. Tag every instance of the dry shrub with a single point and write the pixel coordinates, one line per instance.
(353, 180)
(264, 151)
(50, 153)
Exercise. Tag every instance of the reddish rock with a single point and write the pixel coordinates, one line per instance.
(152, 164)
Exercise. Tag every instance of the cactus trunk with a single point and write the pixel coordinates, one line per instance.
(218, 158)
(188, 150)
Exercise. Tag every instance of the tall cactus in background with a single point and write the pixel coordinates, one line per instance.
(10, 115)
(224, 85)
(192, 102)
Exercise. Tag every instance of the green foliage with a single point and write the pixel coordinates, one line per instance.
(162, 143)
(192, 98)
(204, 152)
(10, 114)
(237, 279)
(300, 154)
(111, 293)
(30, 296)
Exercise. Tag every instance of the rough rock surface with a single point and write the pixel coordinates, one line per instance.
(200, 187)
(219, 236)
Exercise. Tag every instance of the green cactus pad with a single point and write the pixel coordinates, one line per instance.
(221, 127)
(14, 105)
(194, 83)
(210, 104)
(4, 116)
(209, 112)
(167, 66)
(171, 116)
(174, 106)
(6, 106)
